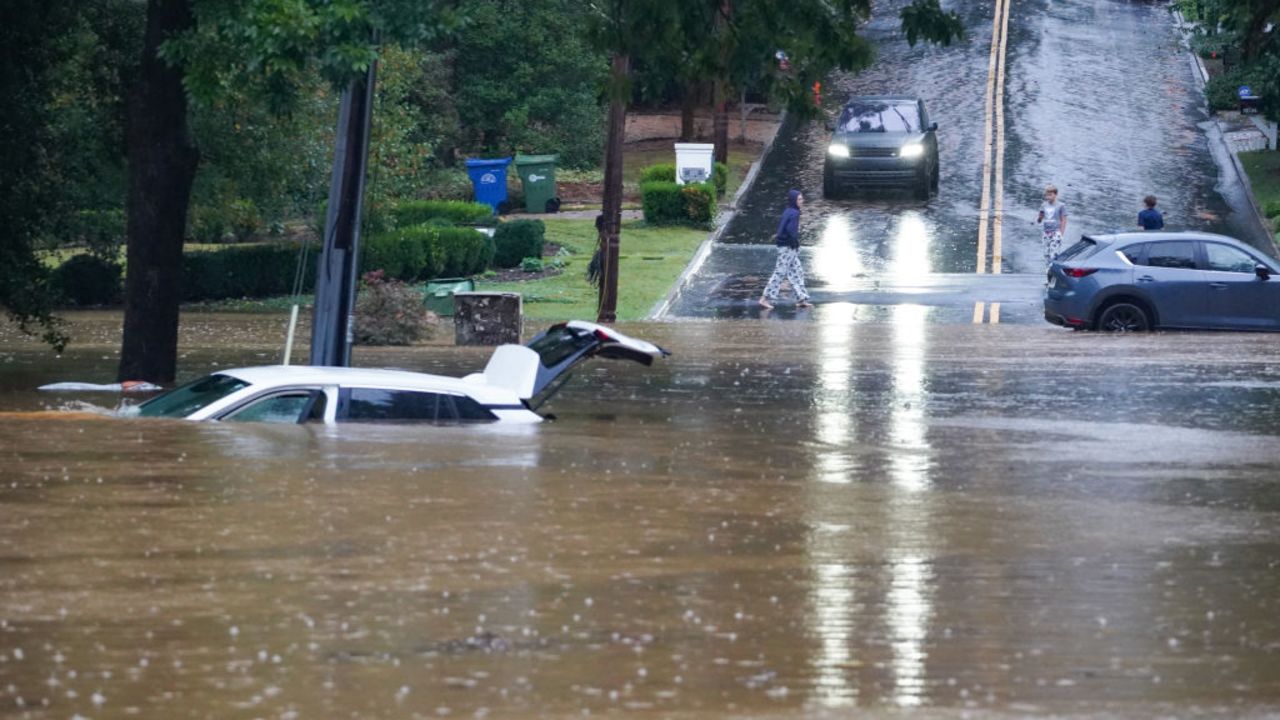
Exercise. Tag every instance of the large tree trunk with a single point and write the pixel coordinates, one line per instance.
(688, 108)
(162, 166)
(612, 210)
(720, 120)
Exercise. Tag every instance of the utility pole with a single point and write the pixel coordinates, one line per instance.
(612, 210)
(331, 331)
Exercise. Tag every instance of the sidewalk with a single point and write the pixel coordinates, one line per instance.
(1237, 133)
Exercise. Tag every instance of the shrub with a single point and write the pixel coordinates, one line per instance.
(404, 254)
(208, 224)
(699, 202)
(720, 176)
(1272, 208)
(87, 280)
(532, 264)
(245, 219)
(661, 172)
(1222, 91)
(239, 271)
(462, 251)
(458, 212)
(666, 172)
(516, 240)
(666, 203)
(389, 312)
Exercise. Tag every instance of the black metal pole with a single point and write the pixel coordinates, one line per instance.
(336, 274)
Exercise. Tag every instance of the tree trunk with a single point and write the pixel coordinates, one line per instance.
(688, 106)
(720, 121)
(612, 201)
(162, 163)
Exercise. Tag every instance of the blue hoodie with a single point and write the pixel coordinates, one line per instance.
(789, 226)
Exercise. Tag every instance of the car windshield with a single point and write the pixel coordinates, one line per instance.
(881, 116)
(182, 401)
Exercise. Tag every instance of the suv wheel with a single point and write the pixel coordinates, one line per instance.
(1124, 317)
(933, 180)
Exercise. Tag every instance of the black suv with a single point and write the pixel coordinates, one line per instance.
(882, 141)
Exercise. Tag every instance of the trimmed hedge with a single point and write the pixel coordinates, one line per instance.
(87, 280)
(666, 172)
(423, 252)
(409, 254)
(516, 240)
(666, 203)
(238, 271)
(458, 212)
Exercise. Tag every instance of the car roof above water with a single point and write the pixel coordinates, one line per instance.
(1127, 237)
(374, 377)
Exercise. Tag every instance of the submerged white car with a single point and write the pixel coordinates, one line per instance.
(515, 382)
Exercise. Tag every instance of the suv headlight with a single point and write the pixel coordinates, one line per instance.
(911, 151)
(840, 151)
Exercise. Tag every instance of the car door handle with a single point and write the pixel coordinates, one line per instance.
(1218, 286)
(1146, 278)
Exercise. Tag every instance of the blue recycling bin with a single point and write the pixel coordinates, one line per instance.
(489, 179)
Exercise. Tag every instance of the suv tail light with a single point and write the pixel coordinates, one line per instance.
(1079, 272)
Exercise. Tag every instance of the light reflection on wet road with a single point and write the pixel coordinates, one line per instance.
(1100, 100)
(786, 519)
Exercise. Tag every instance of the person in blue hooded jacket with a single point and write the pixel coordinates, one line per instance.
(788, 267)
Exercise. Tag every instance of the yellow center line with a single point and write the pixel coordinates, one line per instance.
(978, 309)
(985, 206)
(997, 229)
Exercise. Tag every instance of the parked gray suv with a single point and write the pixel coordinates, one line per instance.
(882, 141)
(1138, 281)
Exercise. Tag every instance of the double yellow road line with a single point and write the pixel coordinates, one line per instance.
(991, 211)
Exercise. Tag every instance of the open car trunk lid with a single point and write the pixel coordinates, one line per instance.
(537, 370)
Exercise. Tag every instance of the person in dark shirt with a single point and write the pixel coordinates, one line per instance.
(1150, 219)
(788, 267)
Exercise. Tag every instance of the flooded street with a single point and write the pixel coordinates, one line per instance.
(782, 520)
(1099, 99)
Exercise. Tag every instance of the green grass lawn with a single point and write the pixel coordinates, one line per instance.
(651, 260)
(1263, 167)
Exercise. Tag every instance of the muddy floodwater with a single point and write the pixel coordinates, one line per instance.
(784, 519)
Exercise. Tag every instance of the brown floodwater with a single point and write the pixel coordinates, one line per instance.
(783, 519)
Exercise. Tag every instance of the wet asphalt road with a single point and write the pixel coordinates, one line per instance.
(1100, 100)
(781, 520)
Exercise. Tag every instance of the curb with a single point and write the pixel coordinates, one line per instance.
(1202, 75)
(663, 306)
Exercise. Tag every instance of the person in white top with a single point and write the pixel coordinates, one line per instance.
(1053, 221)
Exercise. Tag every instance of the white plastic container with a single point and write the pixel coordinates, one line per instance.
(693, 162)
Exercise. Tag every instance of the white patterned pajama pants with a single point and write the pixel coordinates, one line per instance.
(1052, 246)
(789, 269)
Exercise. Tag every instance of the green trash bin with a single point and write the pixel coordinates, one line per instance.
(538, 178)
(439, 295)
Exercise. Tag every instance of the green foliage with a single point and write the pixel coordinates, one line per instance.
(1222, 91)
(659, 172)
(102, 231)
(666, 203)
(87, 280)
(926, 20)
(423, 252)
(720, 176)
(208, 223)
(516, 240)
(527, 81)
(459, 212)
(245, 220)
(532, 264)
(242, 271)
(389, 312)
(1272, 209)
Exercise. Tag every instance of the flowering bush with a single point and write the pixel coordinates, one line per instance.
(389, 312)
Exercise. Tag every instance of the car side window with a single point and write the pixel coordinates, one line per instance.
(407, 406)
(1173, 254)
(1224, 258)
(283, 408)
(1134, 253)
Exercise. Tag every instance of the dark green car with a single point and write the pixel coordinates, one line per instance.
(882, 141)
